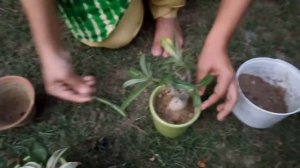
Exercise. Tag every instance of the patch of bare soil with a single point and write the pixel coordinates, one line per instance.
(112, 84)
(263, 94)
(174, 117)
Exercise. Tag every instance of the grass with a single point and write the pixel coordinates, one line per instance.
(99, 137)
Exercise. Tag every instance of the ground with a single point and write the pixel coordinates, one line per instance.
(99, 137)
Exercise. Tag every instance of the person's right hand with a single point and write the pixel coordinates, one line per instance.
(61, 81)
(214, 60)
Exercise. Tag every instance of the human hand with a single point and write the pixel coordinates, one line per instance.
(61, 81)
(214, 60)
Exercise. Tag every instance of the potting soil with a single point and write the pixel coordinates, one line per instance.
(263, 94)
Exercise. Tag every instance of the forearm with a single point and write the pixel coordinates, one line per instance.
(229, 15)
(44, 25)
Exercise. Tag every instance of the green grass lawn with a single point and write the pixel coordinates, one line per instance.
(99, 137)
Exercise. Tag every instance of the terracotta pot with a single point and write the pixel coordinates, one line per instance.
(16, 102)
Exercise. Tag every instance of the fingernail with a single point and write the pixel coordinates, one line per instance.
(156, 52)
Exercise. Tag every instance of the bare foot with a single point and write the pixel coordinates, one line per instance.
(166, 27)
(61, 81)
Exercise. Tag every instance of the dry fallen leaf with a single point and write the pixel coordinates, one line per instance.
(201, 164)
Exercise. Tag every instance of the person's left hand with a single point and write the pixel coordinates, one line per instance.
(214, 60)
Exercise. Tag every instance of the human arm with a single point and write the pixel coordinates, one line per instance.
(59, 77)
(214, 58)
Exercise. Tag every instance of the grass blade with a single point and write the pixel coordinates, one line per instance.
(113, 106)
(134, 95)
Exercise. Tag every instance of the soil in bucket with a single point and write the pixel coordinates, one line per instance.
(173, 117)
(263, 94)
(14, 102)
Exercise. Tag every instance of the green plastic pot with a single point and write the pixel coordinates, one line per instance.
(167, 129)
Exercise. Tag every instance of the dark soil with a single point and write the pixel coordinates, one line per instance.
(173, 117)
(263, 94)
(13, 104)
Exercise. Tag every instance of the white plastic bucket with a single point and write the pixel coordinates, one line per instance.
(271, 70)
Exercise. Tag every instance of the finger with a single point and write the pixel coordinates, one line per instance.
(231, 99)
(202, 90)
(220, 107)
(78, 85)
(219, 91)
(179, 41)
(165, 54)
(156, 49)
(89, 80)
(64, 92)
(69, 95)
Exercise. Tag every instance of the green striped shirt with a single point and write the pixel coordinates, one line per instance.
(92, 20)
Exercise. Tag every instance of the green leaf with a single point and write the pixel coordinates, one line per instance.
(166, 79)
(196, 99)
(134, 94)
(134, 73)
(169, 46)
(133, 82)
(17, 166)
(143, 65)
(39, 152)
(31, 165)
(206, 81)
(51, 163)
(70, 165)
(113, 106)
(180, 84)
(170, 60)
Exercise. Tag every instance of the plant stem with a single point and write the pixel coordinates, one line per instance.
(115, 107)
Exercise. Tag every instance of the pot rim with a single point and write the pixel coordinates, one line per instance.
(29, 87)
(155, 115)
(238, 73)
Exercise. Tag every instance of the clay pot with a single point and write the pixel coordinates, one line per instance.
(16, 102)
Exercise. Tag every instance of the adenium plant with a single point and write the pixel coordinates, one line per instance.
(174, 73)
